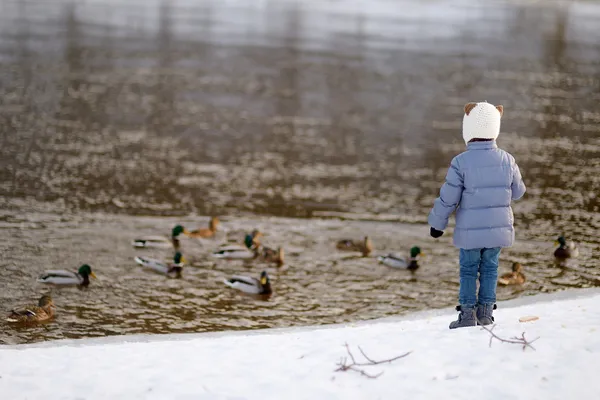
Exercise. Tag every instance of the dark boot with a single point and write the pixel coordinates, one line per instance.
(485, 314)
(465, 318)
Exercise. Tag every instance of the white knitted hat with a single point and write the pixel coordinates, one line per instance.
(481, 121)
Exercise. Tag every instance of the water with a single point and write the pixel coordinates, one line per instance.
(313, 121)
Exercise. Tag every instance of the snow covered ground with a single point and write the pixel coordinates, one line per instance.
(300, 363)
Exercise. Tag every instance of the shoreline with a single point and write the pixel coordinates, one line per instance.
(414, 316)
(429, 360)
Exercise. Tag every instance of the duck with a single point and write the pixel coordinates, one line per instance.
(396, 261)
(63, 277)
(269, 255)
(516, 277)
(170, 269)
(566, 249)
(161, 242)
(248, 251)
(204, 232)
(252, 240)
(365, 247)
(250, 285)
(44, 311)
(235, 252)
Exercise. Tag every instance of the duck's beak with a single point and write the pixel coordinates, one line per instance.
(93, 275)
(183, 260)
(263, 280)
(556, 243)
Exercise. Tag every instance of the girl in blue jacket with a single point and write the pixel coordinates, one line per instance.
(480, 185)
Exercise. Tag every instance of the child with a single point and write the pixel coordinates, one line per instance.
(480, 185)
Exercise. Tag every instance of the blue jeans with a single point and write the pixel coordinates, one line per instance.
(485, 263)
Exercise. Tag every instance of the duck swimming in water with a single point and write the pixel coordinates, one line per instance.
(516, 277)
(248, 251)
(566, 249)
(204, 232)
(62, 277)
(394, 260)
(170, 269)
(365, 247)
(44, 311)
(161, 242)
(235, 252)
(252, 240)
(251, 285)
(269, 255)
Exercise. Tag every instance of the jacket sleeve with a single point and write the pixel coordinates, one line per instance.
(450, 195)
(518, 187)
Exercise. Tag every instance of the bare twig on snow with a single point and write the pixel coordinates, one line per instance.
(343, 365)
(515, 340)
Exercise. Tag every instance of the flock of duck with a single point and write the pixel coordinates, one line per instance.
(251, 248)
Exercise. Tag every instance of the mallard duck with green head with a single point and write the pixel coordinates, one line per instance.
(566, 249)
(161, 242)
(365, 246)
(516, 277)
(170, 269)
(44, 311)
(252, 240)
(251, 285)
(65, 278)
(235, 252)
(248, 251)
(395, 260)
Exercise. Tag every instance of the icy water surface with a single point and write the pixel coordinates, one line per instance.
(313, 120)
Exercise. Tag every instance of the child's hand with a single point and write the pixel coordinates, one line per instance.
(435, 233)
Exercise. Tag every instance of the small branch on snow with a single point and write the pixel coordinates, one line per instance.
(515, 340)
(343, 365)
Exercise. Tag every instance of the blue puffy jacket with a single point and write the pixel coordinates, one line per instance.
(480, 185)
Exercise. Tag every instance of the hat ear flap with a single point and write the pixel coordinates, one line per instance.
(500, 110)
(469, 107)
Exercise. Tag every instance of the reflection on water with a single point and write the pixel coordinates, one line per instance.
(281, 109)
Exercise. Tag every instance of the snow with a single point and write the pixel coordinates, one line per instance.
(299, 363)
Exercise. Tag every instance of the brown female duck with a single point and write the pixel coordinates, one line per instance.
(364, 247)
(44, 311)
(204, 232)
(269, 255)
(516, 277)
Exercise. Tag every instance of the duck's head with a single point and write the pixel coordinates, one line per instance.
(415, 252)
(46, 301)
(214, 222)
(561, 241)
(264, 278)
(517, 267)
(85, 271)
(265, 282)
(178, 258)
(280, 256)
(368, 244)
(251, 240)
(177, 230)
